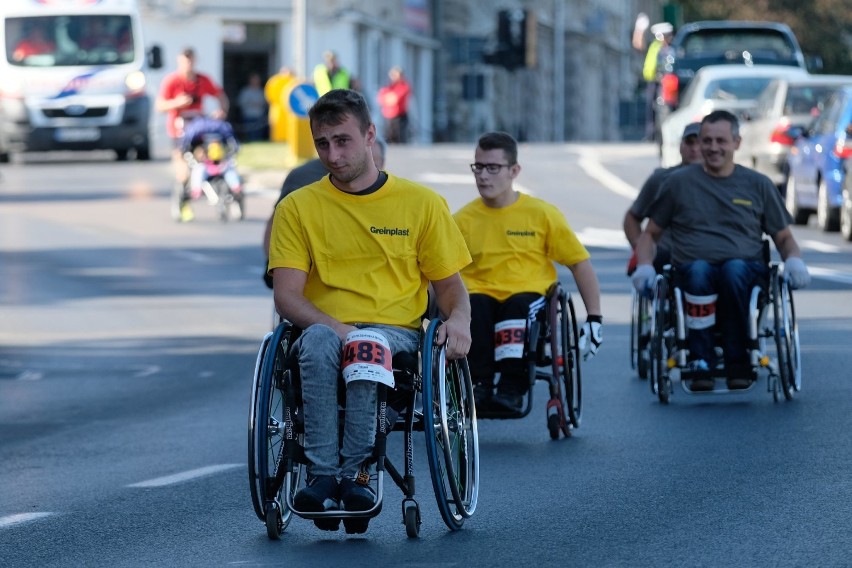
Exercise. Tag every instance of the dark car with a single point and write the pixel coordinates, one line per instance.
(699, 44)
(816, 163)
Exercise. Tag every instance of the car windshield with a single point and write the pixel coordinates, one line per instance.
(761, 44)
(736, 89)
(807, 99)
(50, 41)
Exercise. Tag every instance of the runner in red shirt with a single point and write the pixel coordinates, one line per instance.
(181, 96)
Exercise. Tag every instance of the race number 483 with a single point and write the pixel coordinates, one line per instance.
(367, 357)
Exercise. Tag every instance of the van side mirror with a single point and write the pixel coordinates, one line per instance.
(813, 63)
(155, 57)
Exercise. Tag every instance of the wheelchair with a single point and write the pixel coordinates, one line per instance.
(432, 394)
(773, 338)
(552, 354)
(640, 334)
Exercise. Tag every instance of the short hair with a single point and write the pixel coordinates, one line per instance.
(500, 141)
(333, 107)
(719, 115)
(188, 52)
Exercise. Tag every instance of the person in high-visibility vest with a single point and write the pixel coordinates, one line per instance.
(330, 75)
(663, 33)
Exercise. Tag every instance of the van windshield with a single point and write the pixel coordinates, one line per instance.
(59, 41)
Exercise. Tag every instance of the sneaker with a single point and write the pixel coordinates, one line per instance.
(699, 373)
(320, 494)
(186, 214)
(357, 495)
(509, 401)
(740, 376)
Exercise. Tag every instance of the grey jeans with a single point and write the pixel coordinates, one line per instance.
(319, 353)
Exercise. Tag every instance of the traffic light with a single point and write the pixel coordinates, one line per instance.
(515, 40)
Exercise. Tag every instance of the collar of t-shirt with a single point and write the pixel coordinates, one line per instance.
(380, 181)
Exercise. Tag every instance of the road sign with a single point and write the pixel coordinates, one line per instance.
(302, 98)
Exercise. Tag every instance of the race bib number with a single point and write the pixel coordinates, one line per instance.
(509, 339)
(367, 357)
(700, 311)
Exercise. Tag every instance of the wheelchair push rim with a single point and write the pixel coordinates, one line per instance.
(451, 433)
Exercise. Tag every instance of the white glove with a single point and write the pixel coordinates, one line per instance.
(643, 277)
(591, 336)
(796, 272)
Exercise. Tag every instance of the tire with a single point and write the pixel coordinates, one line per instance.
(658, 379)
(634, 329)
(800, 216)
(452, 442)
(4, 157)
(121, 154)
(272, 421)
(570, 350)
(643, 332)
(828, 217)
(255, 485)
(223, 192)
(788, 334)
(411, 519)
(846, 216)
(143, 153)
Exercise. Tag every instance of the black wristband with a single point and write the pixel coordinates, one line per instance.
(596, 319)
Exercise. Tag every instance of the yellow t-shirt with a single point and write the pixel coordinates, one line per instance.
(369, 258)
(514, 247)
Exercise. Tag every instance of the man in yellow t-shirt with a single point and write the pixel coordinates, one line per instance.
(514, 240)
(357, 250)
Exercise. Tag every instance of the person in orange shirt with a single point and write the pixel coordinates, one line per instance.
(393, 100)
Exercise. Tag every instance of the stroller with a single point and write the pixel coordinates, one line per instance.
(209, 148)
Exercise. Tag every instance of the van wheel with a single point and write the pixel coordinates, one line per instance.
(121, 155)
(4, 157)
(143, 153)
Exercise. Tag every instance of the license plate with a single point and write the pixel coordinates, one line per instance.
(77, 134)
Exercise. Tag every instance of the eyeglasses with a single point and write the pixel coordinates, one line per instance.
(490, 168)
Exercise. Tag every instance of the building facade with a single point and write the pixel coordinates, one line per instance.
(582, 72)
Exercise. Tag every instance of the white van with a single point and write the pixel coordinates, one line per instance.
(72, 77)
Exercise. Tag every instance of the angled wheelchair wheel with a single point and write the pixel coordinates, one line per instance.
(270, 425)
(634, 329)
(786, 334)
(569, 356)
(659, 373)
(255, 485)
(452, 442)
(639, 332)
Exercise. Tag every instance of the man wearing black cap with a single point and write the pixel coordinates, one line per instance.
(690, 153)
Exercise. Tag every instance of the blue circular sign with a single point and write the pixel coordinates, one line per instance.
(302, 98)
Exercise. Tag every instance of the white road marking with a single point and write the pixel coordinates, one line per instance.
(30, 376)
(831, 275)
(435, 178)
(605, 238)
(147, 371)
(186, 475)
(595, 170)
(820, 247)
(193, 256)
(20, 518)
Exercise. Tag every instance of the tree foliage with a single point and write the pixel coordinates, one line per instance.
(823, 27)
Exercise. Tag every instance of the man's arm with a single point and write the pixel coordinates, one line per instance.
(453, 299)
(632, 228)
(786, 243)
(587, 284)
(290, 301)
(646, 245)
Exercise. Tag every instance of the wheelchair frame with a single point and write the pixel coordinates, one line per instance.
(552, 331)
(275, 446)
(773, 338)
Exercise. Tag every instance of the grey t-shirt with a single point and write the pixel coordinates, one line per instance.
(641, 208)
(717, 219)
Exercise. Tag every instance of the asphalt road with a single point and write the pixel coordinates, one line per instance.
(127, 344)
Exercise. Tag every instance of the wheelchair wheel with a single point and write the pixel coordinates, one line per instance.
(786, 334)
(255, 485)
(267, 429)
(452, 441)
(639, 332)
(659, 377)
(177, 200)
(225, 199)
(569, 354)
